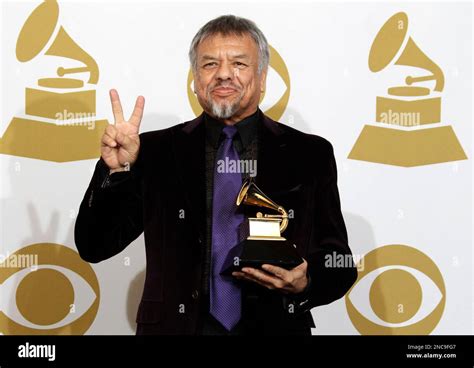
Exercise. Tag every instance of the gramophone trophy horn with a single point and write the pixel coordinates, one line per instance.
(264, 244)
(251, 195)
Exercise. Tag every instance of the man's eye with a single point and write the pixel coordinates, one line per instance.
(239, 64)
(208, 65)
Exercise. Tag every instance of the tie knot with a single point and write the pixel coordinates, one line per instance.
(229, 131)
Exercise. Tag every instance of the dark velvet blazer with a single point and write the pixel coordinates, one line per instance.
(296, 170)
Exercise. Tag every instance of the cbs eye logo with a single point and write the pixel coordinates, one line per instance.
(59, 295)
(399, 292)
(277, 73)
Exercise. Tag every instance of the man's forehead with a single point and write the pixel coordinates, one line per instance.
(232, 43)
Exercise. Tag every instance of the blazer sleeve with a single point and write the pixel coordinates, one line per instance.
(110, 214)
(328, 241)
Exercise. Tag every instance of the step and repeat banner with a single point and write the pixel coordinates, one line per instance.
(389, 84)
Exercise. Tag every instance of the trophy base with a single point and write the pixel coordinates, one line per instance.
(407, 148)
(255, 253)
(51, 142)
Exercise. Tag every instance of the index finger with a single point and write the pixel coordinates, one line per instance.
(116, 106)
(137, 113)
(275, 270)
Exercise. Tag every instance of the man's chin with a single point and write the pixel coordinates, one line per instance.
(223, 110)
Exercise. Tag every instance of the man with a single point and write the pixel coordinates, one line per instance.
(166, 184)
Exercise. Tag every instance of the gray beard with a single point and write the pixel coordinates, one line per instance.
(224, 110)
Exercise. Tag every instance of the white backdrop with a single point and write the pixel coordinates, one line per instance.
(141, 48)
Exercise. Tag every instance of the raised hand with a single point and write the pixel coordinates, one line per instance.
(120, 143)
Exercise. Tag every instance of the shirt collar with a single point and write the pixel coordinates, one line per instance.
(247, 129)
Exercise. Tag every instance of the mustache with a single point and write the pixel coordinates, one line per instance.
(225, 85)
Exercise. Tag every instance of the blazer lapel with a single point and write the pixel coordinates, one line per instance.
(189, 156)
(273, 157)
(281, 175)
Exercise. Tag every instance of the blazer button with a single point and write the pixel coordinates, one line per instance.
(195, 294)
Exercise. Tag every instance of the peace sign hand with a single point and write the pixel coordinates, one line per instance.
(120, 143)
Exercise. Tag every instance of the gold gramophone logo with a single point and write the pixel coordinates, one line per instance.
(276, 111)
(60, 123)
(408, 130)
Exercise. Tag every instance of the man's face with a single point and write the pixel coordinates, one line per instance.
(226, 79)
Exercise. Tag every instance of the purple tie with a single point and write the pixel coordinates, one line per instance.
(225, 303)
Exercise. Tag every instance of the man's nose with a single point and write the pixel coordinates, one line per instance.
(225, 71)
